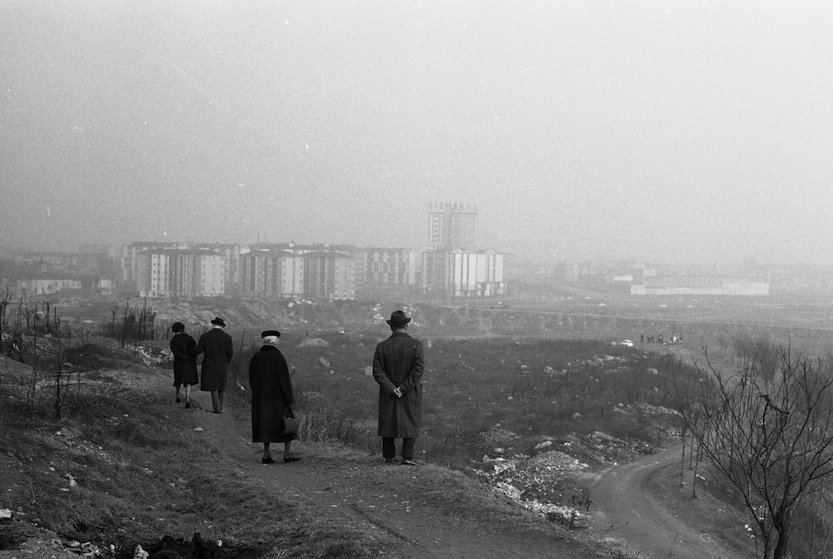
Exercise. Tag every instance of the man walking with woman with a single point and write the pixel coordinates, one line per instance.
(219, 349)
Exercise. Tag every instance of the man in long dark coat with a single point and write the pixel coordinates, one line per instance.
(397, 367)
(219, 349)
(185, 364)
(271, 397)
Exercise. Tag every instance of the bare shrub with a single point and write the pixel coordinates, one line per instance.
(770, 434)
(132, 324)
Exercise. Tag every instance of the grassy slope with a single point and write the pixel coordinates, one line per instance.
(142, 471)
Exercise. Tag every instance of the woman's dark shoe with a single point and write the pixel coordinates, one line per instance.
(288, 459)
(388, 460)
(187, 404)
(267, 460)
(177, 399)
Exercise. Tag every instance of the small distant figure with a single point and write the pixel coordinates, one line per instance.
(642, 338)
(272, 397)
(185, 364)
(660, 338)
(219, 349)
(398, 364)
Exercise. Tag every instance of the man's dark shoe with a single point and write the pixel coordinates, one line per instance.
(288, 459)
(408, 462)
(388, 460)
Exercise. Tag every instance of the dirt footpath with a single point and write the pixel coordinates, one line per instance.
(396, 504)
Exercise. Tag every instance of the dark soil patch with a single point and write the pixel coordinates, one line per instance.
(197, 548)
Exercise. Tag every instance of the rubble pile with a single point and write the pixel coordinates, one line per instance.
(540, 484)
(552, 478)
(498, 435)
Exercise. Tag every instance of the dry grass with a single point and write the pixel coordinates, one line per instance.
(138, 472)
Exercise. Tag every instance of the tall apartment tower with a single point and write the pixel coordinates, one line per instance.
(452, 226)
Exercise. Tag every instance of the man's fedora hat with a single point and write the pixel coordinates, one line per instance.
(397, 319)
(267, 333)
(218, 321)
(178, 327)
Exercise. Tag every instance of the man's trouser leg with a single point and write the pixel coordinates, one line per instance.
(408, 449)
(388, 447)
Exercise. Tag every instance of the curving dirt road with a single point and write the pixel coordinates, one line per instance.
(629, 508)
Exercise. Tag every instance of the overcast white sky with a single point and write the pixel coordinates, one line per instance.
(661, 130)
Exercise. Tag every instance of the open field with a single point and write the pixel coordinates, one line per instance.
(533, 403)
(127, 466)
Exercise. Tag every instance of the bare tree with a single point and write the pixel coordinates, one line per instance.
(769, 435)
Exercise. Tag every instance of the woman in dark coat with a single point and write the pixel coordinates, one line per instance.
(185, 364)
(271, 397)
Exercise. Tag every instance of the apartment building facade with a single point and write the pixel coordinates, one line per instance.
(175, 272)
(272, 273)
(463, 274)
(329, 276)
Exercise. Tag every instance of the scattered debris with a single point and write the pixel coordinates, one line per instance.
(71, 481)
(86, 549)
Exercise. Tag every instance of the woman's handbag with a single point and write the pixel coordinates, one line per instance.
(291, 424)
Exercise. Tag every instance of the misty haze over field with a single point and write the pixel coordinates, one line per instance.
(661, 130)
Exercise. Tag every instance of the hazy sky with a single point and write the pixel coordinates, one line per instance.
(662, 130)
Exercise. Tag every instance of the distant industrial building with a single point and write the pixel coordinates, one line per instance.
(43, 286)
(700, 285)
